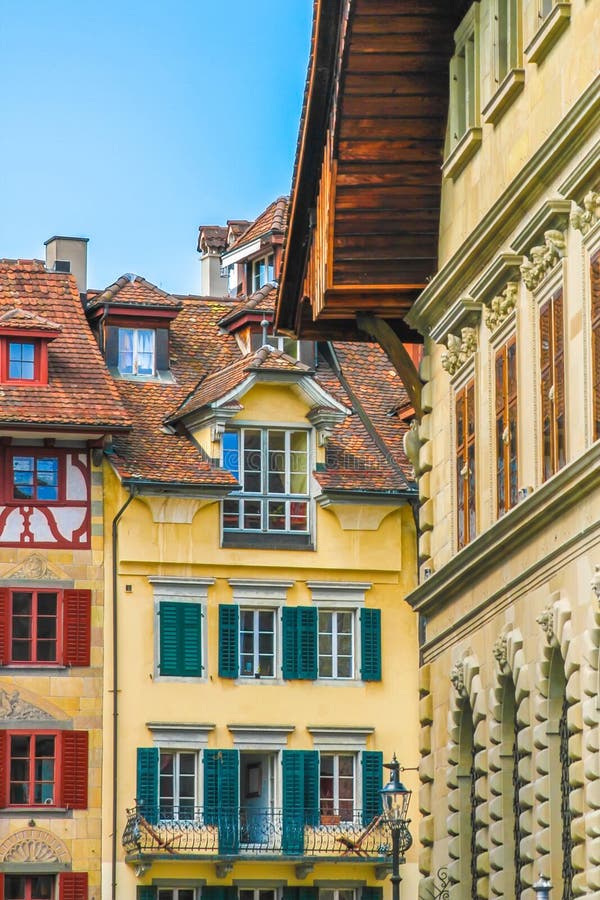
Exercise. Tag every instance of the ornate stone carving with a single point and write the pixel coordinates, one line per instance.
(33, 845)
(500, 651)
(502, 306)
(412, 444)
(543, 258)
(595, 582)
(457, 677)
(546, 621)
(13, 707)
(460, 349)
(34, 566)
(584, 219)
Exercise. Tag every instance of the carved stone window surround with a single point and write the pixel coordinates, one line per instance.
(584, 176)
(552, 213)
(464, 374)
(548, 33)
(464, 151)
(464, 312)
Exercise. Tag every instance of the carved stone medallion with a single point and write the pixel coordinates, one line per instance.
(33, 845)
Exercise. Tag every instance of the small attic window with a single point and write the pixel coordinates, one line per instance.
(23, 361)
(62, 265)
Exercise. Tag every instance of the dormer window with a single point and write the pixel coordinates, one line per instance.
(285, 344)
(136, 351)
(262, 272)
(23, 360)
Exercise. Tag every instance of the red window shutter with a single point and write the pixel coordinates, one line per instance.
(72, 886)
(4, 768)
(74, 769)
(77, 607)
(4, 626)
(1, 886)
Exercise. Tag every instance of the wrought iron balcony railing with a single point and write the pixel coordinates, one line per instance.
(248, 832)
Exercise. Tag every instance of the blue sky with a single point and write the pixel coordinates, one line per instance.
(133, 122)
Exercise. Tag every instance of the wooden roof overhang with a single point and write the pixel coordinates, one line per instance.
(363, 229)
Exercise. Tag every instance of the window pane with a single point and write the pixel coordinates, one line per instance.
(231, 452)
(14, 887)
(22, 477)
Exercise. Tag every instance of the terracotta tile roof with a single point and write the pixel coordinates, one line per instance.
(133, 290)
(262, 300)
(80, 391)
(23, 320)
(274, 218)
(207, 364)
(212, 237)
(237, 226)
(218, 384)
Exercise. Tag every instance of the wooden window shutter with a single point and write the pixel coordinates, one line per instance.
(162, 350)
(4, 766)
(371, 893)
(211, 787)
(73, 886)
(292, 762)
(147, 783)
(111, 346)
(372, 782)
(228, 782)
(146, 892)
(219, 892)
(77, 612)
(311, 786)
(228, 640)
(559, 381)
(5, 629)
(74, 769)
(169, 639)
(370, 644)
(308, 893)
(1, 885)
(191, 644)
(289, 620)
(307, 642)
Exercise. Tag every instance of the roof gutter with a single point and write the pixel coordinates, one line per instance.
(151, 488)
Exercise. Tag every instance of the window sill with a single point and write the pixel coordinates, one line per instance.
(466, 148)
(552, 27)
(509, 89)
(36, 669)
(35, 811)
(267, 541)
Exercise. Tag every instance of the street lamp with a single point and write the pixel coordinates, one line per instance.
(542, 888)
(396, 797)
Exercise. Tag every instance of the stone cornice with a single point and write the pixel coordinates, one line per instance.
(561, 145)
(552, 498)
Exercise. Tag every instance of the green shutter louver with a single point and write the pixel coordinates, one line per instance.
(372, 782)
(371, 893)
(147, 783)
(222, 796)
(146, 892)
(219, 892)
(180, 639)
(299, 628)
(292, 762)
(228, 640)
(370, 644)
(311, 786)
(308, 893)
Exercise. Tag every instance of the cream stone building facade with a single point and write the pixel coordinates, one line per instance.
(508, 463)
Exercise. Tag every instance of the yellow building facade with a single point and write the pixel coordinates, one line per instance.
(266, 664)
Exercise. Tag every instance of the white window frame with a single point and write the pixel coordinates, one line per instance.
(343, 596)
(175, 892)
(256, 611)
(335, 756)
(176, 803)
(287, 345)
(264, 496)
(256, 891)
(336, 893)
(269, 263)
(334, 647)
(136, 352)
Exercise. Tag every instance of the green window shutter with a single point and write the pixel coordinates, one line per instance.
(147, 782)
(190, 631)
(307, 642)
(290, 893)
(228, 640)
(371, 893)
(146, 892)
(292, 762)
(370, 644)
(308, 893)
(219, 892)
(211, 788)
(289, 628)
(228, 785)
(372, 782)
(311, 786)
(169, 639)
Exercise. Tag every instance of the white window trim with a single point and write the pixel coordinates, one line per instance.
(258, 592)
(198, 779)
(327, 607)
(254, 608)
(180, 590)
(356, 799)
(180, 735)
(340, 740)
(270, 738)
(346, 593)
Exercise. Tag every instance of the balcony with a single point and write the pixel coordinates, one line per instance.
(250, 833)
